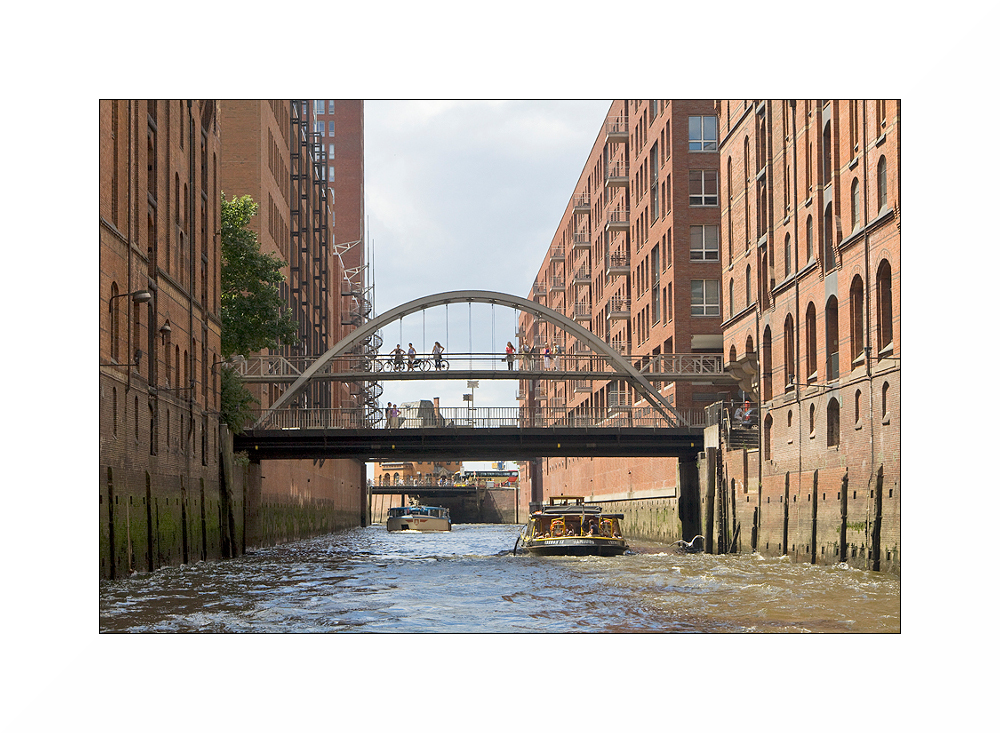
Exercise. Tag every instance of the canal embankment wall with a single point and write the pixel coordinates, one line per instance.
(172, 509)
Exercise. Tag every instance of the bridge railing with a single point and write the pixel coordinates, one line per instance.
(280, 368)
(423, 417)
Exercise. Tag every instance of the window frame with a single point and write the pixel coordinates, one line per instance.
(702, 252)
(701, 143)
(701, 306)
(701, 199)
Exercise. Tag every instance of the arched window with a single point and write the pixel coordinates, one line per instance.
(114, 411)
(810, 252)
(811, 342)
(732, 288)
(855, 205)
(883, 297)
(857, 406)
(747, 304)
(788, 255)
(833, 423)
(768, 425)
(883, 186)
(827, 155)
(765, 368)
(832, 338)
(789, 352)
(857, 317)
(116, 314)
(885, 400)
(732, 353)
(748, 346)
(812, 419)
(729, 212)
(828, 258)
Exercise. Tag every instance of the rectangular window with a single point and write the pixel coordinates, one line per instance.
(702, 134)
(331, 124)
(704, 188)
(705, 297)
(705, 243)
(330, 155)
(321, 106)
(330, 106)
(321, 127)
(330, 177)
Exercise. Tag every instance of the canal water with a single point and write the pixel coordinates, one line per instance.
(468, 581)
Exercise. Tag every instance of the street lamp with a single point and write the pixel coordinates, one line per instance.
(138, 296)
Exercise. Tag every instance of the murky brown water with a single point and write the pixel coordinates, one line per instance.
(368, 580)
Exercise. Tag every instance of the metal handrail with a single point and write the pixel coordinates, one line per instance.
(427, 417)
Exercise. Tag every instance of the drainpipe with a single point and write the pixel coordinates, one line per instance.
(191, 269)
(128, 311)
(868, 332)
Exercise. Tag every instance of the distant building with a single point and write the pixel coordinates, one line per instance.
(635, 259)
(272, 151)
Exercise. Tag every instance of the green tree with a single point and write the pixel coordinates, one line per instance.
(253, 313)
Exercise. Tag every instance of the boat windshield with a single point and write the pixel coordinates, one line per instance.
(575, 525)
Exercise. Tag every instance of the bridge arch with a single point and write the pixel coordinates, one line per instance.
(623, 367)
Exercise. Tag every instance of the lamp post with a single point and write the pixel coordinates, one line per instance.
(138, 296)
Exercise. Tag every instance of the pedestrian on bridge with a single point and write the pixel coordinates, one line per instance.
(411, 354)
(438, 352)
(397, 358)
(546, 356)
(510, 356)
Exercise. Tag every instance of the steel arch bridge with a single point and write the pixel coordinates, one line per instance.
(620, 367)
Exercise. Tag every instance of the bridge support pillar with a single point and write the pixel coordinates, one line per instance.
(690, 495)
(251, 503)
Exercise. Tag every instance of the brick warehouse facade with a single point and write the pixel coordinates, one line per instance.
(272, 151)
(635, 260)
(160, 499)
(811, 267)
(801, 244)
(165, 496)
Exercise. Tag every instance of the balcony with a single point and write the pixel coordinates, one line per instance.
(582, 276)
(581, 203)
(582, 386)
(616, 174)
(558, 254)
(581, 312)
(620, 345)
(619, 309)
(558, 285)
(618, 221)
(539, 289)
(616, 130)
(581, 241)
(618, 264)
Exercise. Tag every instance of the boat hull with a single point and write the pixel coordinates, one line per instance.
(420, 524)
(602, 546)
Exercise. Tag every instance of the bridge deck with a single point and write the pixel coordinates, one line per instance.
(470, 444)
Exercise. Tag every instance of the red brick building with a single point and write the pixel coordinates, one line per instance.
(636, 261)
(811, 213)
(160, 498)
(272, 150)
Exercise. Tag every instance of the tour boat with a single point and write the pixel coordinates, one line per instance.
(419, 518)
(568, 527)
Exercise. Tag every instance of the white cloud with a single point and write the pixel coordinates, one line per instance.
(467, 195)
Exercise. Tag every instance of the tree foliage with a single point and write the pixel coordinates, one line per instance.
(237, 401)
(253, 313)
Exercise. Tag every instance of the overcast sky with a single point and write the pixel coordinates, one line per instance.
(466, 195)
